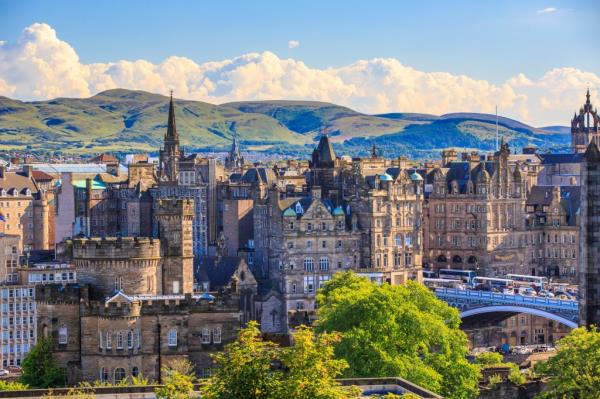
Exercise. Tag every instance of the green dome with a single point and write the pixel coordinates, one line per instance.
(385, 177)
(338, 211)
(416, 176)
(289, 212)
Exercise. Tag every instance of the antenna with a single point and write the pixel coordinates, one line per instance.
(497, 134)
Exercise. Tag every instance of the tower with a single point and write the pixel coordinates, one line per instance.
(584, 126)
(175, 217)
(170, 154)
(234, 160)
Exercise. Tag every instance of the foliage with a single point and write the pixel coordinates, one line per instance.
(140, 380)
(178, 380)
(397, 331)
(40, 370)
(494, 380)
(516, 376)
(489, 359)
(251, 368)
(574, 371)
(72, 393)
(12, 386)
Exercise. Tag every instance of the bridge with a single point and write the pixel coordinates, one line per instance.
(473, 303)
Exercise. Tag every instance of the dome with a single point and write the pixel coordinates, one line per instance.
(385, 177)
(416, 177)
(338, 211)
(289, 212)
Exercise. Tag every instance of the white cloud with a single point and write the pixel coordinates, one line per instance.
(41, 66)
(293, 43)
(547, 10)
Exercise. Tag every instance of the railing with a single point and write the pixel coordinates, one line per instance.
(515, 299)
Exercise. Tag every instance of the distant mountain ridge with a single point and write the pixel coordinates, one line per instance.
(122, 120)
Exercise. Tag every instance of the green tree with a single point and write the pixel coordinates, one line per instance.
(244, 370)
(397, 331)
(574, 371)
(251, 368)
(12, 386)
(40, 370)
(178, 380)
(489, 359)
(310, 368)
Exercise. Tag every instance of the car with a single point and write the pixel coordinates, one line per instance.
(528, 292)
(564, 297)
(546, 294)
(4, 372)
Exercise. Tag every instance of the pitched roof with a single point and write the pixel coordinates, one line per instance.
(323, 155)
(104, 158)
(17, 181)
(39, 175)
(216, 271)
(561, 158)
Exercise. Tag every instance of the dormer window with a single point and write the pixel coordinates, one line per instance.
(299, 209)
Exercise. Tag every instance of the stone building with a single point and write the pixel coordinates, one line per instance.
(475, 214)
(10, 257)
(234, 161)
(134, 309)
(24, 209)
(589, 240)
(551, 240)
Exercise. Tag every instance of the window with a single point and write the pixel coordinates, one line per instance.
(324, 244)
(308, 244)
(100, 340)
(104, 375)
(119, 340)
(63, 336)
(138, 341)
(173, 337)
(309, 284)
(309, 264)
(309, 227)
(135, 371)
(206, 335)
(217, 335)
(323, 280)
(108, 341)
(119, 374)
(324, 263)
(130, 339)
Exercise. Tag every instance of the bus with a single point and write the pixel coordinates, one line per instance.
(433, 283)
(429, 274)
(494, 284)
(522, 279)
(466, 276)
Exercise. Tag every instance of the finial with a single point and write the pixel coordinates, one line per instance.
(171, 94)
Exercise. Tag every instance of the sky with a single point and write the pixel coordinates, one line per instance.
(534, 59)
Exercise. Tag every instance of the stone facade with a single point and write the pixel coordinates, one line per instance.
(585, 126)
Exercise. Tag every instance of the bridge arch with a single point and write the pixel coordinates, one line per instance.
(517, 309)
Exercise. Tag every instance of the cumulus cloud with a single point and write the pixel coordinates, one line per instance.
(547, 10)
(41, 66)
(293, 43)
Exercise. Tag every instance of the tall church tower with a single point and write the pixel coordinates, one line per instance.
(175, 217)
(169, 155)
(584, 126)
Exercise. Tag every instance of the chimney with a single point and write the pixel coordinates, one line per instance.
(448, 156)
(316, 192)
(2, 172)
(27, 170)
(473, 159)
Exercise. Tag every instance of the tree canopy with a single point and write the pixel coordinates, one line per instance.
(400, 331)
(251, 368)
(574, 371)
(40, 370)
(178, 380)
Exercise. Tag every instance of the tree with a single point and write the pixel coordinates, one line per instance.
(12, 386)
(244, 369)
(400, 331)
(178, 380)
(39, 369)
(251, 368)
(574, 371)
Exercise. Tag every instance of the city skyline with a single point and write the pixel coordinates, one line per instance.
(512, 55)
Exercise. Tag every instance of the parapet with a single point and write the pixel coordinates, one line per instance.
(176, 207)
(115, 248)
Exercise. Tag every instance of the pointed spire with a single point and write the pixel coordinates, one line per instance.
(587, 96)
(171, 128)
(374, 152)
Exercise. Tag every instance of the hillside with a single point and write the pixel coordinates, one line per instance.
(123, 121)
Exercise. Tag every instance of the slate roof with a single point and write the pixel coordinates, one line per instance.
(216, 271)
(259, 175)
(561, 158)
(323, 155)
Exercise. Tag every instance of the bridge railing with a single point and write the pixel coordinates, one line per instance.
(495, 297)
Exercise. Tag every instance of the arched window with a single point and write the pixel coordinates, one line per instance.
(456, 259)
(324, 263)
(441, 258)
(63, 335)
(135, 371)
(173, 337)
(119, 374)
(309, 264)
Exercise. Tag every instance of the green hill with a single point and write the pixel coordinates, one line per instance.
(123, 121)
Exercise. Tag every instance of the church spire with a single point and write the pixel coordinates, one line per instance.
(171, 128)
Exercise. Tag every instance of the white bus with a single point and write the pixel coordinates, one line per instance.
(434, 283)
(493, 283)
(466, 276)
(522, 279)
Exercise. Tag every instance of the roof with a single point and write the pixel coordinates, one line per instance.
(39, 175)
(96, 184)
(561, 158)
(104, 158)
(216, 270)
(17, 181)
(323, 155)
(259, 175)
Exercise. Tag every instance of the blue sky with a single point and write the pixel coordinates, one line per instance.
(483, 39)
(533, 59)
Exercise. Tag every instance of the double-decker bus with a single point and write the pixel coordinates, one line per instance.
(429, 274)
(522, 279)
(434, 283)
(466, 276)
